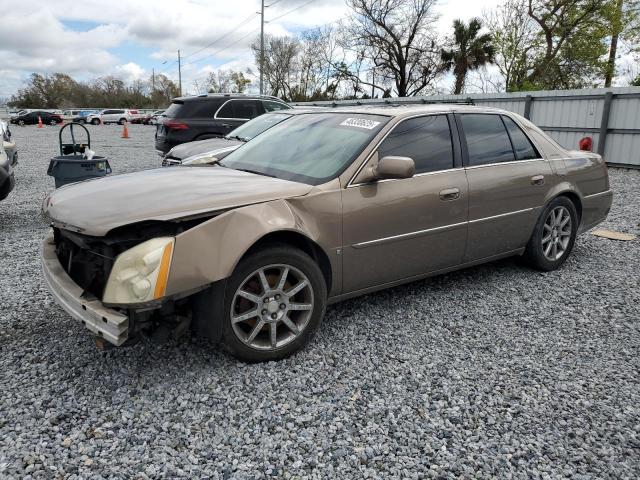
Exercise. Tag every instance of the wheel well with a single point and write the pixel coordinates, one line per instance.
(575, 199)
(299, 241)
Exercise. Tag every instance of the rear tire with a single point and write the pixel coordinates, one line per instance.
(122, 121)
(282, 315)
(95, 121)
(554, 235)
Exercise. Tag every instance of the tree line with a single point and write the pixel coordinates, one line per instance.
(59, 90)
(390, 48)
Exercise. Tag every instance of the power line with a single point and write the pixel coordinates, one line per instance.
(292, 10)
(246, 20)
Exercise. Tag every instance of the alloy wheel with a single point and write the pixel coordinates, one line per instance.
(556, 234)
(272, 307)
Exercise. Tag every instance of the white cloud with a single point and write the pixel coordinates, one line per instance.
(130, 71)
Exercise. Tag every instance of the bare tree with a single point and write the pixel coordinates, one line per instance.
(395, 38)
(280, 64)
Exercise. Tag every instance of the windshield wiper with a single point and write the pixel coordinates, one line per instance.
(236, 137)
(255, 172)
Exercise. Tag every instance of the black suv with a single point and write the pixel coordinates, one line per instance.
(209, 116)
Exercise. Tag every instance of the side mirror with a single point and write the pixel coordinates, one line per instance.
(394, 167)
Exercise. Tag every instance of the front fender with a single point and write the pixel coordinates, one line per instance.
(210, 251)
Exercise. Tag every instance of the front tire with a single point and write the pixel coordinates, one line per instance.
(95, 121)
(554, 235)
(122, 121)
(274, 302)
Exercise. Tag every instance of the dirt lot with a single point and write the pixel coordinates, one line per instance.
(492, 371)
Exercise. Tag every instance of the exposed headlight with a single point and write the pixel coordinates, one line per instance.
(140, 274)
(201, 159)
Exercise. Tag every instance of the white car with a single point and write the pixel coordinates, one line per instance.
(108, 116)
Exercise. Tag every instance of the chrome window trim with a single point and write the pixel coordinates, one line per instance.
(511, 162)
(216, 117)
(423, 174)
(375, 149)
(418, 233)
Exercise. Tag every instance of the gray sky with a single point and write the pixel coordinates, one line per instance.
(89, 38)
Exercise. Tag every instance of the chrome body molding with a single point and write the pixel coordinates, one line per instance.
(443, 228)
(599, 194)
(380, 241)
(493, 217)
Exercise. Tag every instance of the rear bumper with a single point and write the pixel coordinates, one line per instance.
(595, 209)
(107, 323)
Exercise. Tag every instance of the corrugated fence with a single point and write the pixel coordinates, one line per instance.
(611, 116)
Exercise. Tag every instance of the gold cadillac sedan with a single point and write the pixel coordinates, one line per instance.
(326, 205)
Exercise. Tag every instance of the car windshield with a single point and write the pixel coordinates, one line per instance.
(310, 148)
(257, 126)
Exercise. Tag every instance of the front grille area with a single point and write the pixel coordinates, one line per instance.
(87, 260)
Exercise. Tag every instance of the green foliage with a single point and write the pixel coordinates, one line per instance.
(469, 51)
(61, 91)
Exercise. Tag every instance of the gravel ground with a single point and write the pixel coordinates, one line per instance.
(495, 371)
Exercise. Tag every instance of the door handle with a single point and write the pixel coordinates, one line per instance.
(227, 125)
(537, 180)
(450, 194)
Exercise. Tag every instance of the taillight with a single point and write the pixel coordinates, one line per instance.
(174, 125)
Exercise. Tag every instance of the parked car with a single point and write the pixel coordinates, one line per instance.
(155, 117)
(213, 149)
(209, 116)
(325, 206)
(7, 179)
(120, 116)
(81, 116)
(31, 118)
(8, 144)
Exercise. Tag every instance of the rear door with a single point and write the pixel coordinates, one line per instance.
(397, 229)
(235, 112)
(507, 183)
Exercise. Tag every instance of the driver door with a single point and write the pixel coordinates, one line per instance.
(401, 228)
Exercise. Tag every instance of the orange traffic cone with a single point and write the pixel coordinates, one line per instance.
(39, 122)
(125, 131)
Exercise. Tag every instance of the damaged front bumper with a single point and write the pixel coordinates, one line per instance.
(108, 323)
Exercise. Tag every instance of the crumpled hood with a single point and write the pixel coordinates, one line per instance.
(95, 207)
(200, 146)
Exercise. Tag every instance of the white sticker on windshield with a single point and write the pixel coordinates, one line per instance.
(360, 123)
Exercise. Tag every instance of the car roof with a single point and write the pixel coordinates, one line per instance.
(227, 96)
(397, 110)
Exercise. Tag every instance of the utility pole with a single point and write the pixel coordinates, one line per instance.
(179, 75)
(153, 87)
(262, 48)
(373, 81)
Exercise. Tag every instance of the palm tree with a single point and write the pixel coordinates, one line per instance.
(469, 51)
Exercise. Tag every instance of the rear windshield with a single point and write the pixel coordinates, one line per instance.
(200, 108)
